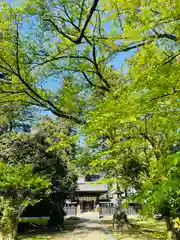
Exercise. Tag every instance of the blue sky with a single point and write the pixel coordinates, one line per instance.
(117, 62)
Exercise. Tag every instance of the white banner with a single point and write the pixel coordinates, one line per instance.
(87, 198)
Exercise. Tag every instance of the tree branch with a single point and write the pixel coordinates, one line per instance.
(50, 105)
(130, 47)
(91, 84)
(6, 63)
(87, 20)
(17, 47)
(164, 35)
(59, 30)
(97, 70)
(79, 39)
(81, 13)
(94, 62)
(33, 94)
(146, 137)
(165, 95)
(148, 41)
(19, 101)
(6, 69)
(11, 92)
(57, 57)
(170, 59)
(86, 77)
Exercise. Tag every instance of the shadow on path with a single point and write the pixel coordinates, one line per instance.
(90, 229)
(86, 227)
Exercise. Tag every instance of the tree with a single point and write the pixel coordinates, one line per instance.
(134, 141)
(15, 115)
(130, 117)
(161, 191)
(19, 187)
(84, 48)
(36, 149)
(61, 140)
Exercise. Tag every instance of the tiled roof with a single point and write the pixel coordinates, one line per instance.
(92, 187)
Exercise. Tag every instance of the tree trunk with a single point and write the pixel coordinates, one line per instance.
(172, 233)
(177, 234)
(12, 233)
(10, 126)
(169, 226)
(56, 217)
(10, 236)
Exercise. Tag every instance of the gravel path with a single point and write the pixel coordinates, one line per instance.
(90, 229)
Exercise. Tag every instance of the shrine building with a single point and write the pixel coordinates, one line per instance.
(89, 193)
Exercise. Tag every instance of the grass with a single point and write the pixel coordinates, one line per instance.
(35, 220)
(44, 220)
(70, 224)
(35, 238)
(148, 229)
